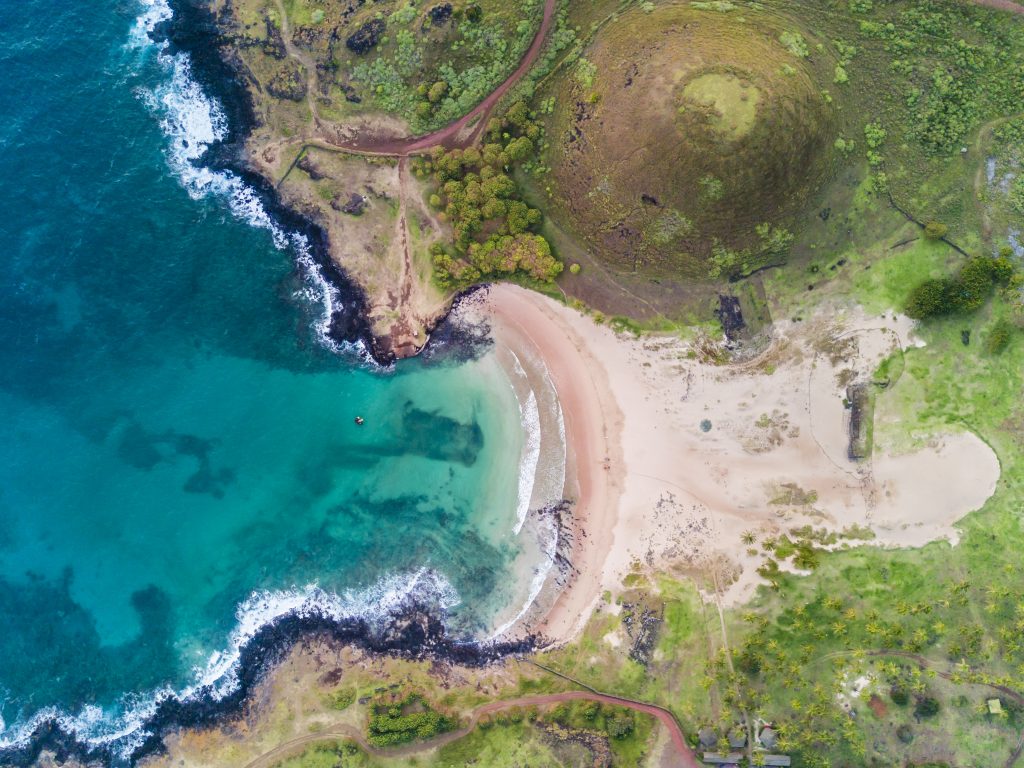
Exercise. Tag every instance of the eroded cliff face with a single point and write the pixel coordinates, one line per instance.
(377, 227)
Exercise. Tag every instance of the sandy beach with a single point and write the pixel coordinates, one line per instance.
(655, 488)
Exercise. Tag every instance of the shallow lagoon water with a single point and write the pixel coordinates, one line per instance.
(178, 458)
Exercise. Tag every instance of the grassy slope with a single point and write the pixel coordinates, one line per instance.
(893, 56)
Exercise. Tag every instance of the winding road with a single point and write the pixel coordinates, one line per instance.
(461, 133)
(684, 756)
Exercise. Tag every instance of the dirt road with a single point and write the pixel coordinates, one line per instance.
(683, 758)
(1002, 5)
(461, 133)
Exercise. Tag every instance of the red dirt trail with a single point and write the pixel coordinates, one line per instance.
(683, 756)
(449, 135)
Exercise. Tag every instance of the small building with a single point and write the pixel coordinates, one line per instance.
(995, 706)
(768, 738)
(708, 737)
(737, 738)
(777, 760)
(717, 758)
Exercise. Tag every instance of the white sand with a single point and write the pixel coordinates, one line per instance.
(653, 488)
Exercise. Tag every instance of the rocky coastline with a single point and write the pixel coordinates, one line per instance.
(197, 30)
(418, 632)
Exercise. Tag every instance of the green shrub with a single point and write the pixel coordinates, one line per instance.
(899, 695)
(966, 292)
(405, 720)
(998, 338)
(927, 706)
(935, 230)
(931, 298)
(342, 699)
(620, 724)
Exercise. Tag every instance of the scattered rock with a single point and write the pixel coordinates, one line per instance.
(439, 14)
(351, 95)
(354, 207)
(289, 82)
(366, 37)
(274, 46)
(306, 164)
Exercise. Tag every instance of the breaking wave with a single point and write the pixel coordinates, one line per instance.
(123, 734)
(193, 123)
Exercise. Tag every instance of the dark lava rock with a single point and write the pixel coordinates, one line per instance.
(439, 14)
(274, 46)
(367, 36)
(731, 316)
(354, 207)
(351, 95)
(308, 37)
(306, 164)
(289, 83)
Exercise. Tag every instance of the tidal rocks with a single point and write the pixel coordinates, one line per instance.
(366, 37)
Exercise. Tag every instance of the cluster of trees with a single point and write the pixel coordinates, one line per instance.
(492, 226)
(407, 719)
(965, 292)
(616, 722)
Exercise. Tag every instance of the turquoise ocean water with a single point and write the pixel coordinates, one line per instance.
(178, 461)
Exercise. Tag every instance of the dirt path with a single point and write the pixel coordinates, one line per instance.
(1001, 5)
(460, 133)
(684, 757)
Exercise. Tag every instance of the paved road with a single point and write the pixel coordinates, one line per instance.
(683, 758)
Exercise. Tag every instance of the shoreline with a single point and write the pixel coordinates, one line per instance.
(656, 491)
(594, 466)
(193, 29)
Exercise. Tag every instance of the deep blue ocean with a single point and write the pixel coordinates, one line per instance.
(178, 458)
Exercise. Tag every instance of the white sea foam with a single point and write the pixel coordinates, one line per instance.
(547, 537)
(124, 733)
(550, 473)
(193, 122)
(529, 418)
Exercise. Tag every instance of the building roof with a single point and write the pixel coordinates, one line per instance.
(768, 737)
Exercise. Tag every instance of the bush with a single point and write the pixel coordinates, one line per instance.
(406, 720)
(935, 230)
(574, 269)
(899, 695)
(966, 292)
(619, 724)
(927, 706)
(998, 338)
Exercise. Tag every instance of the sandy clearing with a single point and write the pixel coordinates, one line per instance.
(653, 488)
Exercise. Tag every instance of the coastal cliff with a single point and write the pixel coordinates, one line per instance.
(365, 216)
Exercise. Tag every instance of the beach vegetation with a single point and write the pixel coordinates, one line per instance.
(963, 293)
(495, 233)
(400, 720)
